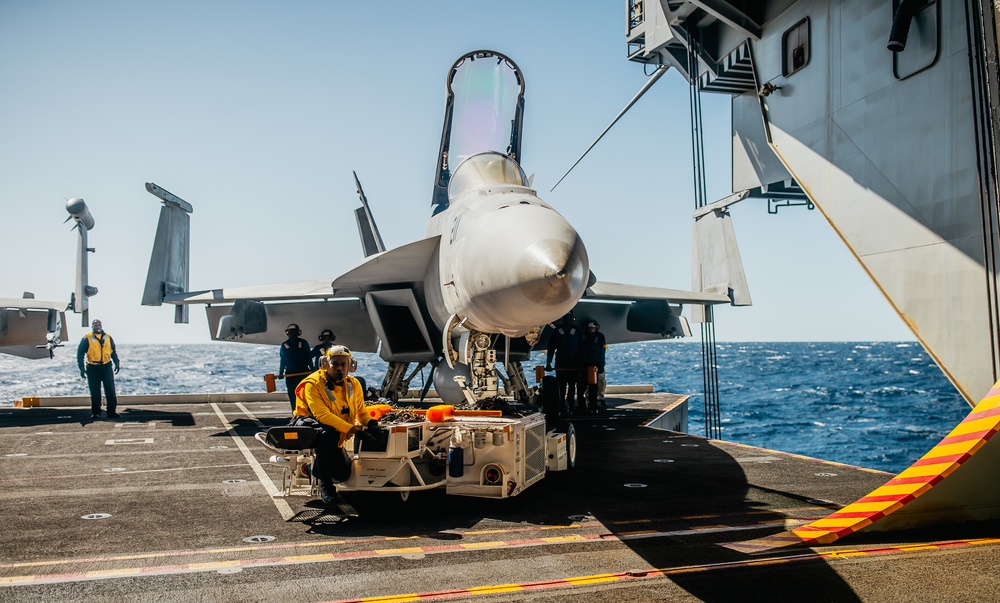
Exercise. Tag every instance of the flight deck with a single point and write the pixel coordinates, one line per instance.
(178, 502)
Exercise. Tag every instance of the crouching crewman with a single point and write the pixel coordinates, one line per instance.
(332, 402)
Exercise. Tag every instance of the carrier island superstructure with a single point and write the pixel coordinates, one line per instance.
(883, 114)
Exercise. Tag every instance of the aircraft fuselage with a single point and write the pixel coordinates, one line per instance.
(508, 262)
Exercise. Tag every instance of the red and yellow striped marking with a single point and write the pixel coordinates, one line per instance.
(941, 461)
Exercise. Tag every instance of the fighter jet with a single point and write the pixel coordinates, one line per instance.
(32, 328)
(496, 266)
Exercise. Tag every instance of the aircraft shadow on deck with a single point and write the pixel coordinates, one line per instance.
(673, 482)
(631, 480)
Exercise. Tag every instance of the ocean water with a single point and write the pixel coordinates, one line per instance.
(878, 405)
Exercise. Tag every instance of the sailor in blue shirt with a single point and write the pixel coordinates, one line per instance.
(296, 362)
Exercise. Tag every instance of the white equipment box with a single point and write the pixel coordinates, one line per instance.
(489, 457)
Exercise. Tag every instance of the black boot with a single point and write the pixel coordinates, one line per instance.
(328, 492)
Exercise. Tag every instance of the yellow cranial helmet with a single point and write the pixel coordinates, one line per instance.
(340, 350)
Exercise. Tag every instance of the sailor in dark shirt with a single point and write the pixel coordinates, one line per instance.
(564, 344)
(296, 362)
(326, 339)
(593, 346)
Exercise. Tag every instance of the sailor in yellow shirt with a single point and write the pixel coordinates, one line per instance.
(332, 402)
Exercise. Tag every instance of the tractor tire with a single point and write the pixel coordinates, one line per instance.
(550, 397)
(570, 431)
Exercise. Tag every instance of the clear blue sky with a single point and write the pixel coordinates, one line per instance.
(256, 113)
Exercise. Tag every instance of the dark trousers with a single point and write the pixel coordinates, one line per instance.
(591, 395)
(98, 374)
(590, 390)
(568, 380)
(290, 384)
(332, 462)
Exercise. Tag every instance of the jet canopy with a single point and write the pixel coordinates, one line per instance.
(485, 169)
(484, 108)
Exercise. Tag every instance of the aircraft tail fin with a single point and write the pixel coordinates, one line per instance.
(371, 239)
(169, 261)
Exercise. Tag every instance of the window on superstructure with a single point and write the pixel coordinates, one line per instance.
(795, 48)
(635, 16)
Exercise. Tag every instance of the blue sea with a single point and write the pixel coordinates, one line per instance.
(879, 405)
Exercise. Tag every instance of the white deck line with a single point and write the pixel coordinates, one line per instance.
(272, 490)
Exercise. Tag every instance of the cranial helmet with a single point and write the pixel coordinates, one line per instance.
(293, 330)
(341, 350)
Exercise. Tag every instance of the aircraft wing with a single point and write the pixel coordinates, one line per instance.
(26, 325)
(312, 289)
(30, 352)
(32, 304)
(603, 290)
(400, 265)
(259, 314)
(347, 318)
(404, 264)
(629, 313)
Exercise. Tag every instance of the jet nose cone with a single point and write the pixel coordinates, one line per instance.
(553, 272)
(528, 269)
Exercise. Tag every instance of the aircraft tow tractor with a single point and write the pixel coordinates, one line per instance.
(482, 453)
